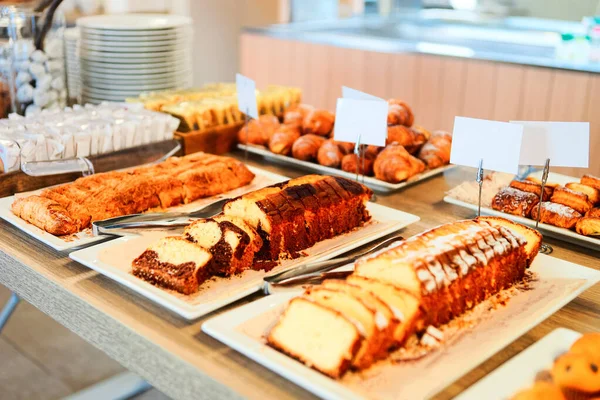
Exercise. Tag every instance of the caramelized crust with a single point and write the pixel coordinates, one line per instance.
(556, 214)
(591, 180)
(592, 193)
(588, 226)
(515, 201)
(576, 200)
(533, 187)
(45, 214)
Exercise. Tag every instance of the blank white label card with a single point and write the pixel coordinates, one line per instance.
(246, 95)
(349, 93)
(364, 118)
(566, 144)
(497, 143)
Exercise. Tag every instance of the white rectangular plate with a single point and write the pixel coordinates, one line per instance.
(567, 235)
(559, 282)
(263, 178)
(114, 258)
(373, 183)
(519, 372)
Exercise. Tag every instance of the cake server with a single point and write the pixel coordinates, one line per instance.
(114, 226)
(315, 269)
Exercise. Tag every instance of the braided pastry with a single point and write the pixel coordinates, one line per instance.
(576, 200)
(556, 214)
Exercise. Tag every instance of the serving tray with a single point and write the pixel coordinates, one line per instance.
(263, 178)
(373, 183)
(114, 258)
(519, 372)
(558, 282)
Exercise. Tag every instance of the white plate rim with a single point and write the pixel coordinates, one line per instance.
(88, 257)
(134, 22)
(370, 181)
(223, 327)
(556, 341)
(59, 244)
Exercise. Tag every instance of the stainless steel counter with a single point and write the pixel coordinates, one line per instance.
(517, 40)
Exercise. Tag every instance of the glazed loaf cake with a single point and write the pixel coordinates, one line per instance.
(294, 215)
(425, 280)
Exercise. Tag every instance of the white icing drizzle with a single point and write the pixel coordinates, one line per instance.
(381, 321)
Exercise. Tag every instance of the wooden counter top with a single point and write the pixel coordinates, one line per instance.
(177, 358)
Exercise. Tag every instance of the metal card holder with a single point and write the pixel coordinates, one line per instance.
(359, 150)
(544, 248)
(246, 122)
(479, 180)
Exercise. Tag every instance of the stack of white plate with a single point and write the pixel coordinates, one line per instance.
(72, 62)
(124, 55)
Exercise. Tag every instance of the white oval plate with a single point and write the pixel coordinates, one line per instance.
(121, 86)
(134, 22)
(116, 42)
(131, 57)
(159, 77)
(141, 50)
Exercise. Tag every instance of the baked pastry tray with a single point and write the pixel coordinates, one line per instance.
(373, 183)
(263, 178)
(558, 282)
(114, 258)
(519, 372)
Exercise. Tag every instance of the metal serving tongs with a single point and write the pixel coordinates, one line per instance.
(318, 270)
(117, 226)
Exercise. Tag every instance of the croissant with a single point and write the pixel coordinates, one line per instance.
(283, 139)
(258, 131)
(351, 163)
(399, 113)
(411, 139)
(295, 115)
(306, 147)
(330, 154)
(436, 152)
(318, 122)
(394, 164)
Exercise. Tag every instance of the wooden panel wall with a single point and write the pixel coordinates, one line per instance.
(438, 88)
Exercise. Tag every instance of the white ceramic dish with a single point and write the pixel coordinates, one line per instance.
(161, 66)
(111, 77)
(120, 42)
(243, 329)
(133, 57)
(221, 292)
(124, 86)
(263, 178)
(147, 36)
(372, 182)
(109, 49)
(519, 372)
(129, 22)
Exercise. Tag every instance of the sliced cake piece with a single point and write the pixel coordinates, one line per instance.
(359, 314)
(403, 304)
(256, 241)
(173, 263)
(231, 248)
(316, 335)
(384, 317)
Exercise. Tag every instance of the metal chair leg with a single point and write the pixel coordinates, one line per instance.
(8, 309)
